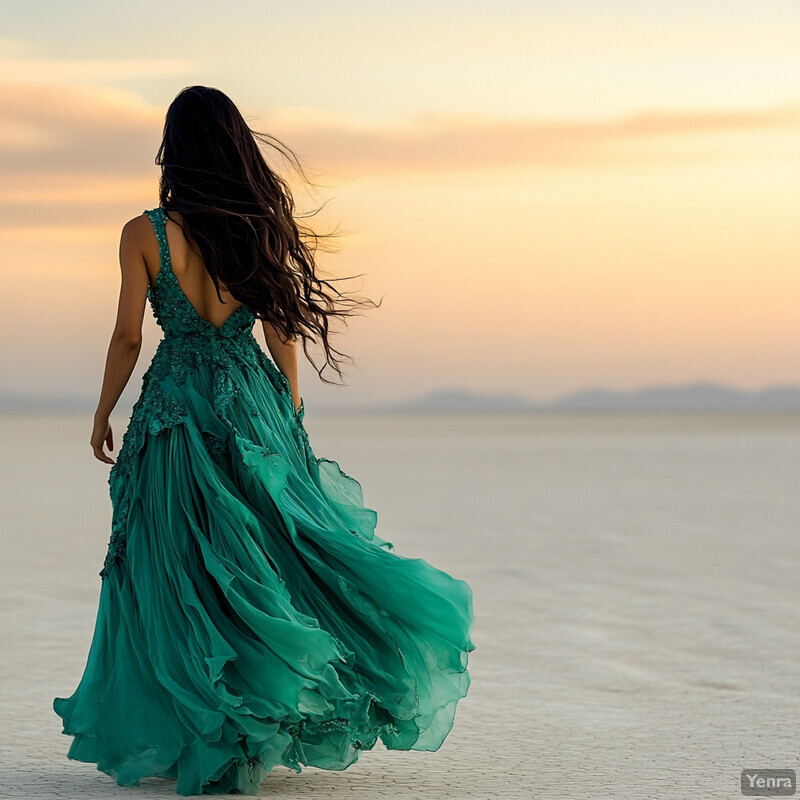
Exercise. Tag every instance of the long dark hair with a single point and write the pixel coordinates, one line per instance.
(238, 213)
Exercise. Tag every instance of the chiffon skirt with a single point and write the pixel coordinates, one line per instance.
(249, 616)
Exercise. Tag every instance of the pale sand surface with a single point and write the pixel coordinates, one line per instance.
(636, 595)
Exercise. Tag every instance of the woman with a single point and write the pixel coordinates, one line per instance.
(249, 616)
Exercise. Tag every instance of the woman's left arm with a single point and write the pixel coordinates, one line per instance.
(126, 340)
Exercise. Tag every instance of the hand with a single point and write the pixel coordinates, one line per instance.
(297, 406)
(101, 434)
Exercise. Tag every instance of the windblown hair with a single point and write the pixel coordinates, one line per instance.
(239, 216)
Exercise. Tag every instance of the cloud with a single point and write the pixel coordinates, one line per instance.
(66, 150)
(444, 143)
(53, 129)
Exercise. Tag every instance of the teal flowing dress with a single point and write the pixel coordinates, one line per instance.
(249, 616)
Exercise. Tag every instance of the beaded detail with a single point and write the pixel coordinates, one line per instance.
(189, 343)
(215, 446)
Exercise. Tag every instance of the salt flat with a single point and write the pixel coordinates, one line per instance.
(635, 587)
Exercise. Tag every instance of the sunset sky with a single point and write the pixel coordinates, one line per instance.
(546, 196)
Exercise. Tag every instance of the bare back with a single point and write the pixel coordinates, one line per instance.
(193, 278)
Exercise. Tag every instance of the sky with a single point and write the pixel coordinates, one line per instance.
(543, 196)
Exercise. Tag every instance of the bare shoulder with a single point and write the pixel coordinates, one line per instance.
(138, 247)
(138, 240)
(137, 229)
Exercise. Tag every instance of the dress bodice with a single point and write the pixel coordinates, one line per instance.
(192, 343)
(174, 313)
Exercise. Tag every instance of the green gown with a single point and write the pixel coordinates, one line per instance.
(249, 616)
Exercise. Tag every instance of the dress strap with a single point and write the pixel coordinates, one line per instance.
(158, 218)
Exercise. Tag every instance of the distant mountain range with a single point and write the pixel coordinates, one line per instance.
(698, 396)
